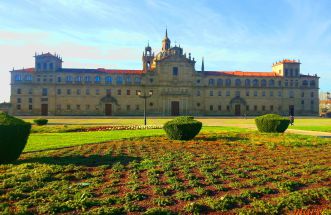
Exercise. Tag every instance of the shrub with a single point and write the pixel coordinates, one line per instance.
(272, 123)
(40, 121)
(182, 128)
(14, 134)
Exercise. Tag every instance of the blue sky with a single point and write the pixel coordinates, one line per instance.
(247, 35)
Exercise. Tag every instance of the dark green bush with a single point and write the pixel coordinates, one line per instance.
(272, 123)
(14, 134)
(40, 121)
(182, 128)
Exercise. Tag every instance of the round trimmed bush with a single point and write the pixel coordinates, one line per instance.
(182, 128)
(40, 121)
(272, 123)
(14, 134)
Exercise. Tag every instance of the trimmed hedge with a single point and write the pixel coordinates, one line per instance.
(272, 123)
(182, 128)
(14, 134)
(40, 121)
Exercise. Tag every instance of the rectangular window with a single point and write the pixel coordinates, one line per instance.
(255, 107)
(68, 91)
(87, 107)
(30, 100)
(219, 107)
(211, 93)
(19, 91)
(211, 107)
(237, 93)
(30, 91)
(175, 71)
(58, 79)
(263, 108)
(228, 108)
(137, 92)
(58, 107)
(280, 93)
(302, 94)
(108, 92)
(255, 93)
(247, 107)
(119, 92)
(78, 107)
(87, 92)
(58, 91)
(302, 102)
(263, 93)
(312, 94)
(227, 93)
(18, 107)
(219, 93)
(128, 107)
(19, 100)
(44, 92)
(68, 107)
(128, 92)
(137, 107)
(271, 93)
(78, 91)
(97, 92)
(271, 108)
(247, 93)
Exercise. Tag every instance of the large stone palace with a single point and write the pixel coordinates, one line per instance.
(175, 86)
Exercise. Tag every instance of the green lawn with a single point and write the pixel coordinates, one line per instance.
(42, 141)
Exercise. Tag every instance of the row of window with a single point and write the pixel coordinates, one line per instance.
(291, 72)
(198, 93)
(257, 83)
(255, 107)
(255, 93)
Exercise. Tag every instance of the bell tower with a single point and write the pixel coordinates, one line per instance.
(166, 42)
(147, 58)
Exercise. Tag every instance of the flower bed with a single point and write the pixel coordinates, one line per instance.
(117, 127)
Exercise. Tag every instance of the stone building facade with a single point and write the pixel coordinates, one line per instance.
(177, 88)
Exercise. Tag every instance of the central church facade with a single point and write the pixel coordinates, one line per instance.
(177, 88)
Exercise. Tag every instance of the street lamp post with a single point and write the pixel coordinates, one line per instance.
(145, 96)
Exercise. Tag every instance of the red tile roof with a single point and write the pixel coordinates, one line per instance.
(30, 70)
(121, 71)
(244, 74)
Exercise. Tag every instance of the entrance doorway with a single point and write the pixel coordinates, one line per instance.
(291, 110)
(44, 109)
(174, 108)
(237, 110)
(108, 109)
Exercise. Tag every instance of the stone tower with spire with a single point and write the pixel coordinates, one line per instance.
(166, 42)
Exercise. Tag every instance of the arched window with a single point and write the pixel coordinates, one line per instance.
(305, 83)
(219, 82)
(263, 83)
(87, 79)
(137, 80)
(312, 83)
(109, 80)
(18, 78)
(128, 80)
(247, 83)
(271, 83)
(255, 83)
(97, 79)
(228, 82)
(78, 78)
(69, 78)
(119, 80)
(238, 82)
(211, 82)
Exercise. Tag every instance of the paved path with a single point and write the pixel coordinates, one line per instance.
(291, 131)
